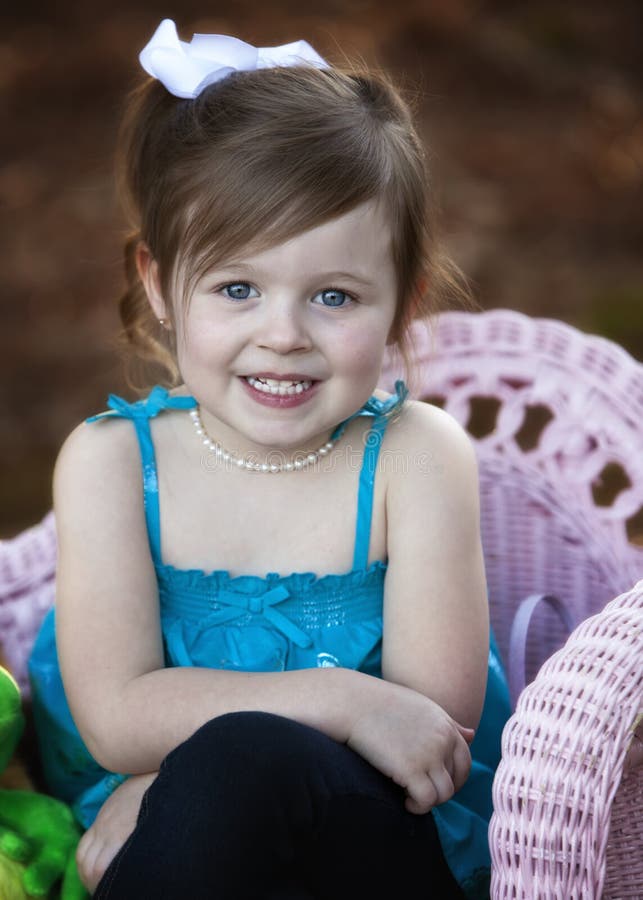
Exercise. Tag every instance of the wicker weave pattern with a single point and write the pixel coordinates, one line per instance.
(624, 851)
(27, 584)
(562, 752)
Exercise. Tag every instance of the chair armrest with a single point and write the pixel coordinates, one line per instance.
(563, 751)
(518, 638)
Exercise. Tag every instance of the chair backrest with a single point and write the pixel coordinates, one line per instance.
(557, 421)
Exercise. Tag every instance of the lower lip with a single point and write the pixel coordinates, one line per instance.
(279, 401)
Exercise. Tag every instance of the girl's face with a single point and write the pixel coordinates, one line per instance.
(280, 346)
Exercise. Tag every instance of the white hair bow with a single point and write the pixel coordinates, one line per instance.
(186, 69)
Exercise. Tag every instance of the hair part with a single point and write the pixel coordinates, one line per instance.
(257, 159)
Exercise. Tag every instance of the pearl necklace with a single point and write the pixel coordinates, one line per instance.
(294, 465)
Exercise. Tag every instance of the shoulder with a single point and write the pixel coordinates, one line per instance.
(102, 447)
(97, 466)
(110, 441)
(431, 457)
(422, 428)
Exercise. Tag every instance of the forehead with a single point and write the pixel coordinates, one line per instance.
(361, 234)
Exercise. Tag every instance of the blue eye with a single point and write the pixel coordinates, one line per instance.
(238, 290)
(334, 297)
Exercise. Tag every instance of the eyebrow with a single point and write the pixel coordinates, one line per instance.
(349, 275)
(244, 267)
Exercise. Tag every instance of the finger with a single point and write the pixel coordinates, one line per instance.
(86, 853)
(461, 763)
(421, 795)
(84, 843)
(83, 849)
(103, 861)
(467, 733)
(89, 877)
(449, 765)
(92, 879)
(443, 784)
(95, 858)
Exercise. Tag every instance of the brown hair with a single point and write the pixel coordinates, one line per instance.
(258, 158)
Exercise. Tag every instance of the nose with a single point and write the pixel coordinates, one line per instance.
(283, 328)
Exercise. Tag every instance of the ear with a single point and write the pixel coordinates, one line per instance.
(148, 272)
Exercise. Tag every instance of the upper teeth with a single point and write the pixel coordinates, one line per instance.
(271, 386)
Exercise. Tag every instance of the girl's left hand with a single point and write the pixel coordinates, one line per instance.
(413, 740)
(114, 824)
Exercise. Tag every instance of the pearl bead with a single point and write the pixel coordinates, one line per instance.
(250, 466)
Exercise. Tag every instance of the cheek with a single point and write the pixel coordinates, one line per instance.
(361, 349)
(202, 339)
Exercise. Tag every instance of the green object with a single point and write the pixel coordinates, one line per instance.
(38, 833)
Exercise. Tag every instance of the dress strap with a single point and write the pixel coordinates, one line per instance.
(365, 492)
(381, 411)
(140, 413)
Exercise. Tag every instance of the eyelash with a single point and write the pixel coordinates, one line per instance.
(337, 290)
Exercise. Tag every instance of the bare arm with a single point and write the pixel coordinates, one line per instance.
(436, 628)
(436, 619)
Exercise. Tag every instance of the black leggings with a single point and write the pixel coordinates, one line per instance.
(258, 807)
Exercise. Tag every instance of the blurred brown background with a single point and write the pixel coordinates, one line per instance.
(532, 111)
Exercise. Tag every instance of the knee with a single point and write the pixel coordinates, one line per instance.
(253, 747)
(251, 731)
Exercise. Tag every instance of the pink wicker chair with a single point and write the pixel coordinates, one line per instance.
(557, 420)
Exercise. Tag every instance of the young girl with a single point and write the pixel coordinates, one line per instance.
(271, 611)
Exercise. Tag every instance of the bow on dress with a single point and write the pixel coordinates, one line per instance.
(157, 400)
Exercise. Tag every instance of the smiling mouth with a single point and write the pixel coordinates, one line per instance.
(278, 388)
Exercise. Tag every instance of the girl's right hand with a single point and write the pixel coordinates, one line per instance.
(113, 825)
(412, 740)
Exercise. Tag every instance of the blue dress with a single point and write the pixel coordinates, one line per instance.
(267, 624)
